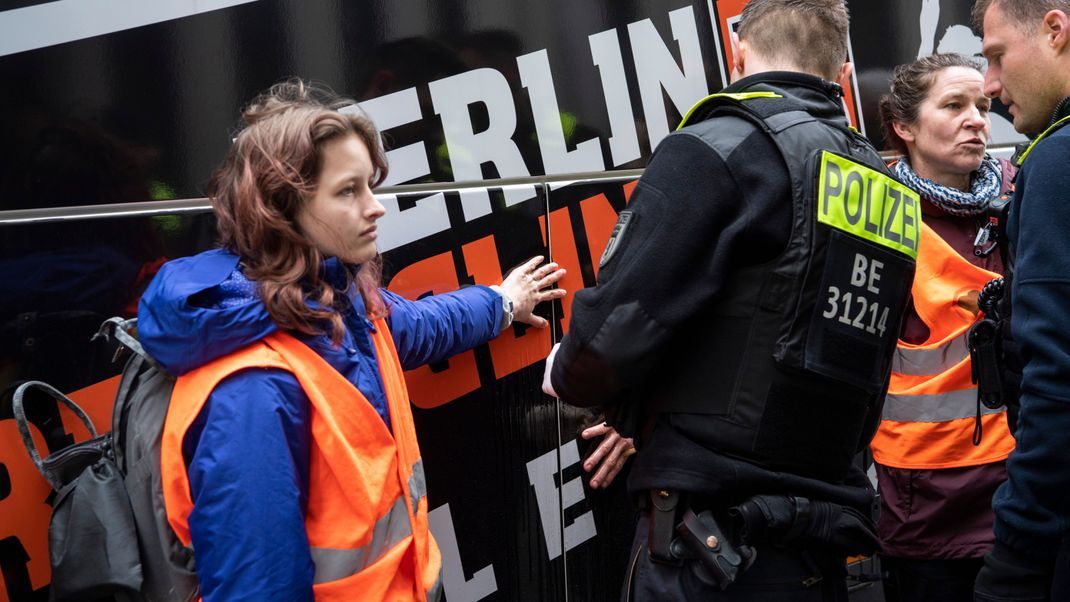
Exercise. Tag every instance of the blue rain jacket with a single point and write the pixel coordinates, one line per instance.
(248, 451)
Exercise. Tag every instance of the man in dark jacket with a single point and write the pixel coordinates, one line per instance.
(1027, 44)
(755, 376)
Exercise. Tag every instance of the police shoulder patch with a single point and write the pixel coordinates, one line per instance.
(619, 229)
(866, 203)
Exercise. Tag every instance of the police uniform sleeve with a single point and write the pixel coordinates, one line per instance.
(248, 458)
(1032, 511)
(439, 326)
(697, 212)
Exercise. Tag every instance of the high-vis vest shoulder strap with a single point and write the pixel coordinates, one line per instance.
(1019, 158)
(931, 407)
(367, 508)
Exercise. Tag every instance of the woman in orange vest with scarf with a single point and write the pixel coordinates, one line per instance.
(289, 458)
(939, 455)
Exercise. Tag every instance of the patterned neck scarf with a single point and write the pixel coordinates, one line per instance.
(985, 184)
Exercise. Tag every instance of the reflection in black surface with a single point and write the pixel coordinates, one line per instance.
(68, 162)
(404, 64)
(168, 94)
(60, 280)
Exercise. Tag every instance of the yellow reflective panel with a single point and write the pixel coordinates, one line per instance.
(868, 204)
(736, 96)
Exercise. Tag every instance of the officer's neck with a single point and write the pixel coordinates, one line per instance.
(758, 66)
(790, 78)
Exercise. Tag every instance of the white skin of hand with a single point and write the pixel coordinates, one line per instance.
(525, 285)
(609, 457)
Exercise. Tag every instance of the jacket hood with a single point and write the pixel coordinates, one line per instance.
(187, 319)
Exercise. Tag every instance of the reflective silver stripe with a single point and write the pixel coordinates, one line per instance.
(939, 407)
(927, 362)
(417, 483)
(333, 564)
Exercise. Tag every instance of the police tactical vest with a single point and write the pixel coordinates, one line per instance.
(803, 343)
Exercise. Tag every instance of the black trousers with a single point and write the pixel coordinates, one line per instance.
(779, 574)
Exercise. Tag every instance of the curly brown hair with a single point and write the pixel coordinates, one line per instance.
(269, 173)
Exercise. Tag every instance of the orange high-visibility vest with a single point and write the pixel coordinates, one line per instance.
(931, 408)
(367, 509)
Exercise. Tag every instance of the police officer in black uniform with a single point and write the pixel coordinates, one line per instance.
(747, 308)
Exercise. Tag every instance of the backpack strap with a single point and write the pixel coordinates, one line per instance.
(121, 329)
(24, 427)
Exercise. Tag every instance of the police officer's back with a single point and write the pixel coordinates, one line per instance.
(746, 311)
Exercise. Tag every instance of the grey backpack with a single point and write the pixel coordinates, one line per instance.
(96, 473)
(137, 427)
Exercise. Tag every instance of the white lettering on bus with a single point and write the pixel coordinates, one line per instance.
(457, 588)
(656, 68)
(542, 474)
(468, 149)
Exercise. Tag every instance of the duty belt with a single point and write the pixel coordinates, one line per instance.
(694, 537)
(676, 536)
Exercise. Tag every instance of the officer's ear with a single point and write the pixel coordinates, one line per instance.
(843, 77)
(739, 52)
(1055, 27)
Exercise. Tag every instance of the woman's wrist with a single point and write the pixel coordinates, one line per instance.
(507, 307)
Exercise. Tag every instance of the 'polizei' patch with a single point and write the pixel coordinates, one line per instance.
(615, 238)
(868, 204)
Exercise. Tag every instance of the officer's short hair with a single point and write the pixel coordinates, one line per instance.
(1026, 14)
(809, 34)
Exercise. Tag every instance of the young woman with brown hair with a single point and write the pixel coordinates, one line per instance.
(289, 459)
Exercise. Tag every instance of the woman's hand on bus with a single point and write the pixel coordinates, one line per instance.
(610, 455)
(525, 286)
